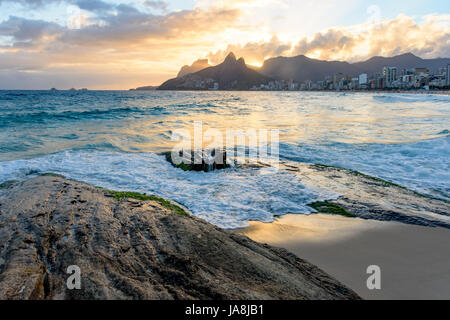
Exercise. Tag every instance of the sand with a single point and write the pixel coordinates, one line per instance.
(414, 260)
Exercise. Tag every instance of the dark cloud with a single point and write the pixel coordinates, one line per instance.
(26, 31)
(157, 5)
(93, 5)
(33, 3)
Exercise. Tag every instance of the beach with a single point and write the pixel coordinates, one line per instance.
(413, 259)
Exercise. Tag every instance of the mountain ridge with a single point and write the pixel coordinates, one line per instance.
(299, 68)
(302, 68)
(231, 74)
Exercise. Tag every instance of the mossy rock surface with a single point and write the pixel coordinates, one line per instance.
(328, 207)
(119, 195)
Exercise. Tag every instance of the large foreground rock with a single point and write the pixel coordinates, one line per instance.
(133, 249)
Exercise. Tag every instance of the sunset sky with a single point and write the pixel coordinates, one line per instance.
(121, 44)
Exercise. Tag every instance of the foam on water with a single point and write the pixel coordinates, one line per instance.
(227, 198)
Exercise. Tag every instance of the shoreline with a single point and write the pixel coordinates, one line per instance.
(412, 258)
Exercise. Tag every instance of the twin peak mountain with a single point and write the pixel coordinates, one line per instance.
(234, 74)
(231, 74)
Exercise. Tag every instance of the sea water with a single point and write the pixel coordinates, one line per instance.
(113, 139)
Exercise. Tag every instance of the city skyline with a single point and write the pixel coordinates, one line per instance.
(300, 73)
(123, 44)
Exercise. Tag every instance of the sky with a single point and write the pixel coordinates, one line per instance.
(122, 44)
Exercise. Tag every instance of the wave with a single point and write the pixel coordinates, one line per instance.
(40, 116)
(11, 118)
(228, 198)
(410, 98)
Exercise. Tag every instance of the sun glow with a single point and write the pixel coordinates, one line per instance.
(255, 64)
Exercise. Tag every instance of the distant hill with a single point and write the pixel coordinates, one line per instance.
(302, 68)
(146, 88)
(196, 66)
(231, 74)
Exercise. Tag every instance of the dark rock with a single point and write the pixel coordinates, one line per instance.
(205, 160)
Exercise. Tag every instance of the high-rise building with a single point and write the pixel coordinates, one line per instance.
(337, 78)
(390, 75)
(448, 75)
(362, 79)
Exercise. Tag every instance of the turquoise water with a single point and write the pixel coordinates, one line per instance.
(112, 139)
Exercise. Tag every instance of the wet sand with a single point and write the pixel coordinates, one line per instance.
(414, 260)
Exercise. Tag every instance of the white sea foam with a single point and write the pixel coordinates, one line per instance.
(227, 198)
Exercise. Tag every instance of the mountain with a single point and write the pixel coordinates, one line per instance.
(404, 61)
(231, 74)
(302, 68)
(196, 66)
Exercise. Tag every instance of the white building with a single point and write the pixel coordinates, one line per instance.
(362, 80)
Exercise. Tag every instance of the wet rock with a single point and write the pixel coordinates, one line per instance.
(199, 160)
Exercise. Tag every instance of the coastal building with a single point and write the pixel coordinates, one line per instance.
(354, 84)
(387, 78)
(337, 78)
(362, 80)
(421, 72)
(390, 75)
(448, 75)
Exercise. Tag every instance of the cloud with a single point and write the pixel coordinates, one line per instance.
(117, 39)
(130, 26)
(32, 3)
(26, 31)
(329, 44)
(157, 5)
(253, 51)
(146, 41)
(94, 5)
(429, 38)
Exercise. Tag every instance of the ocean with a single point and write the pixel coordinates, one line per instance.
(113, 139)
